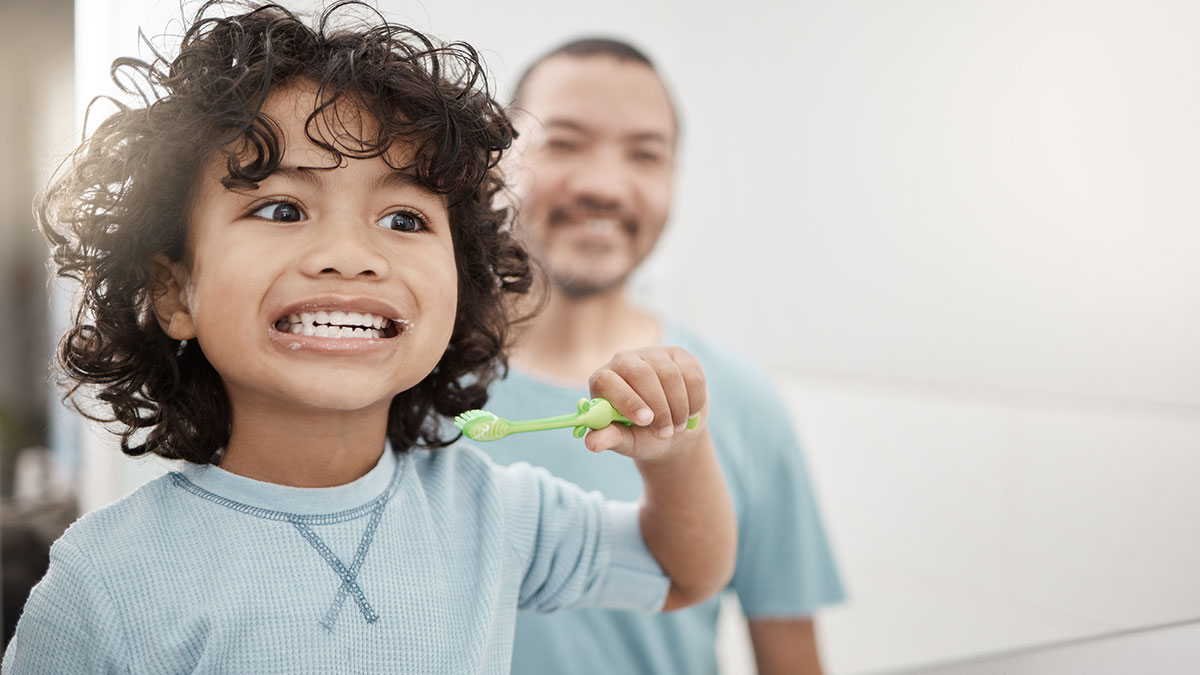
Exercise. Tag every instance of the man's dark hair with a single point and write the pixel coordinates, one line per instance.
(126, 193)
(583, 48)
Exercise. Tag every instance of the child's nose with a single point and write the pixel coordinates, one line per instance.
(346, 250)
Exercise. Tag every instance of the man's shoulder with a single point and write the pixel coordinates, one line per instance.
(749, 418)
(725, 366)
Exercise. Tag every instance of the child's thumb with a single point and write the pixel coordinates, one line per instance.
(612, 437)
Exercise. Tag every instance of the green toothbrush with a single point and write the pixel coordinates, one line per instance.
(597, 413)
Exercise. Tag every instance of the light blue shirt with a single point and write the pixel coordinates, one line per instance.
(417, 567)
(784, 565)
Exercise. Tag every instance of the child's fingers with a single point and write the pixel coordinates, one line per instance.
(693, 378)
(674, 388)
(659, 389)
(632, 386)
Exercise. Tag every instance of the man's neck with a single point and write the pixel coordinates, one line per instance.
(572, 337)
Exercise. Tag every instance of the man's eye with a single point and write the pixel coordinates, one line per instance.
(402, 221)
(647, 157)
(281, 212)
(562, 145)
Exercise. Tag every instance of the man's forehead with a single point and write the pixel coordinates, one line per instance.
(565, 91)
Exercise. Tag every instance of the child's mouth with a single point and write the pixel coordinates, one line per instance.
(337, 324)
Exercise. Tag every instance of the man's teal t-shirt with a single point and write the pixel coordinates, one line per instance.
(784, 565)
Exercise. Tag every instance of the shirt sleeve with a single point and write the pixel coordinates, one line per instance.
(581, 550)
(785, 568)
(69, 624)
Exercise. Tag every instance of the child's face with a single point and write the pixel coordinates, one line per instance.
(270, 266)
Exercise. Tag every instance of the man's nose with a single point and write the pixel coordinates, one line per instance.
(602, 179)
(343, 247)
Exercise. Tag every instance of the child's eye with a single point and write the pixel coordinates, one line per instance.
(281, 212)
(403, 221)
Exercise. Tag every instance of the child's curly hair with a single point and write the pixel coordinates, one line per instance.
(125, 196)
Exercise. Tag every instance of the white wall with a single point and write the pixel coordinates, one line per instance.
(1162, 650)
(961, 235)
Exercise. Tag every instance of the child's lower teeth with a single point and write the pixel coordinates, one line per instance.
(330, 331)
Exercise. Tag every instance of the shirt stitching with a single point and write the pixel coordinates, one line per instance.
(349, 576)
(268, 514)
(303, 524)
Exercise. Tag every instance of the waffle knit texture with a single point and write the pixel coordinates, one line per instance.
(417, 567)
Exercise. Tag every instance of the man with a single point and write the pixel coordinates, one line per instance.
(593, 174)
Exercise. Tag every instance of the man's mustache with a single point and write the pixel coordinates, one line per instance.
(583, 211)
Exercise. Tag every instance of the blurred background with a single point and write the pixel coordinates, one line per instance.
(37, 118)
(962, 237)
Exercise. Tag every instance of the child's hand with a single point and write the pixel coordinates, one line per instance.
(686, 514)
(658, 388)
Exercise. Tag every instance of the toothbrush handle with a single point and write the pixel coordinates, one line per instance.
(691, 421)
(599, 413)
(546, 423)
(596, 413)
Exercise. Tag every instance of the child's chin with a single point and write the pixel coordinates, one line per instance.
(332, 400)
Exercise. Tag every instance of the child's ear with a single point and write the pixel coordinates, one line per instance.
(169, 297)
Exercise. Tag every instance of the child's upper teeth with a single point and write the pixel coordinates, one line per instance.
(338, 324)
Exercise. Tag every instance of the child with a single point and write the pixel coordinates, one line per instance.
(291, 273)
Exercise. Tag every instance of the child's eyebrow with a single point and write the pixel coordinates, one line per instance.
(310, 175)
(395, 179)
(301, 174)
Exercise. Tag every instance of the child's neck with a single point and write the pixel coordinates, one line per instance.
(305, 449)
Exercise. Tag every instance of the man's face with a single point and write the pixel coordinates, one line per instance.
(594, 168)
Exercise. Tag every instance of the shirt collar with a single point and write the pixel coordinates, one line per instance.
(295, 500)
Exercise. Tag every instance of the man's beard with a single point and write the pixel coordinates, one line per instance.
(565, 279)
(577, 288)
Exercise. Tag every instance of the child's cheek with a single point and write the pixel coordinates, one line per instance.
(446, 303)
